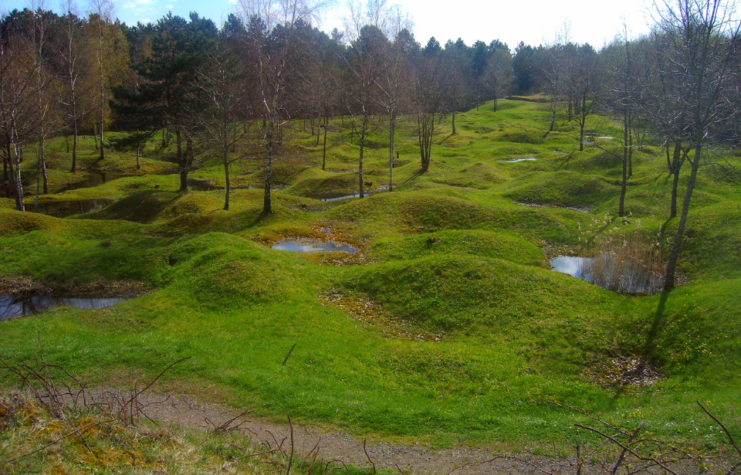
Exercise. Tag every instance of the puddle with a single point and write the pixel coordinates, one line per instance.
(336, 196)
(342, 171)
(607, 272)
(295, 245)
(560, 151)
(531, 159)
(11, 307)
(574, 266)
(210, 185)
(203, 185)
(63, 209)
(94, 178)
(606, 138)
(538, 205)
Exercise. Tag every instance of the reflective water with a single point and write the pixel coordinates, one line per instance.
(336, 196)
(296, 245)
(611, 273)
(574, 266)
(94, 178)
(62, 209)
(202, 185)
(11, 307)
(531, 159)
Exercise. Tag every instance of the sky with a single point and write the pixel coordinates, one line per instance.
(510, 21)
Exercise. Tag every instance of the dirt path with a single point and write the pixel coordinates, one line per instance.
(416, 459)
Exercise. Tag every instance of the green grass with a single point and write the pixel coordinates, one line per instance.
(450, 253)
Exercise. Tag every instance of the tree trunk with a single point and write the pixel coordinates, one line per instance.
(630, 146)
(362, 150)
(676, 166)
(496, 104)
(267, 205)
(453, 122)
(182, 160)
(392, 136)
(74, 148)
(42, 158)
(553, 119)
(226, 179)
(671, 268)
(102, 95)
(38, 186)
(19, 204)
(324, 147)
(624, 184)
(581, 136)
(138, 154)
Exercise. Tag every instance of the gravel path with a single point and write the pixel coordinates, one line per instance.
(417, 459)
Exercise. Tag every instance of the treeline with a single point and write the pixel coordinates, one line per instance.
(229, 92)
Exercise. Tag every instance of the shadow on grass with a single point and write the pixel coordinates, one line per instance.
(649, 349)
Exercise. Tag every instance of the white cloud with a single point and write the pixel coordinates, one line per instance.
(170, 6)
(137, 3)
(145, 20)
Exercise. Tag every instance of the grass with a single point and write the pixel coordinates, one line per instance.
(450, 253)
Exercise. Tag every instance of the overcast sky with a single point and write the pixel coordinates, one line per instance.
(510, 21)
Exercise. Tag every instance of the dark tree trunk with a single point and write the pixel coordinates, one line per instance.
(182, 160)
(324, 147)
(267, 205)
(228, 183)
(74, 148)
(624, 184)
(676, 167)
(392, 136)
(362, 150)
(671, 268)
(453, 122)
(630, 147)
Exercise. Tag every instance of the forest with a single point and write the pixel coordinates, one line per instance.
(528, 254)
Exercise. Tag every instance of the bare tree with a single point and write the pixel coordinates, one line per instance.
(75, 66)
(431, 81)
(17, 107)
(271, 54)
(101, 12)
(697, 41)
(221, 102)
(367, 63)
(497, 77)
(394, 85)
